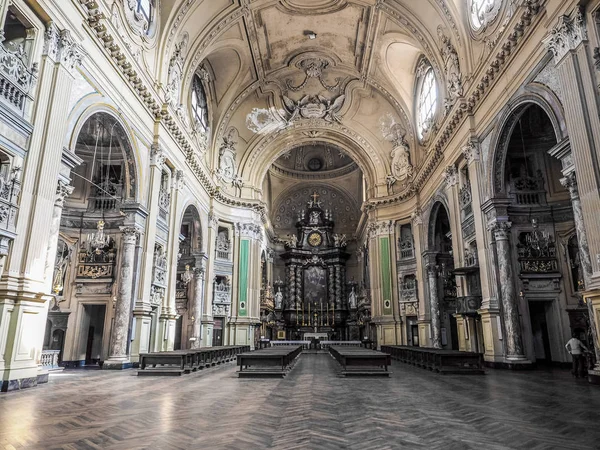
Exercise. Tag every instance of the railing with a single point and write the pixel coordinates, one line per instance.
(471, 258)
(16, 79)
(529, 190)
(49, 359)
(408, 291)
(407, 250)
(223, 254)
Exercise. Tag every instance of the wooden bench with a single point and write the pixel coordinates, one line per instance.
(178, 362)
(361, 361)
(437, 360)
(269, 362)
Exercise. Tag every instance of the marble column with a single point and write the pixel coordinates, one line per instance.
(508, 294)
(570, 182)
(196, 308)
(434, 305)
(568, 42)
(118, 357)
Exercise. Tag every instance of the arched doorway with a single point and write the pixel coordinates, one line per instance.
(441, 279)
(540, 211)
(188, 329)
(85, 273)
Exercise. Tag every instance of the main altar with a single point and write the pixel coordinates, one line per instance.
(316, 300)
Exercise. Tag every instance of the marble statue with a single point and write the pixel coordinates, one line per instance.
(278, 299)
(352, 299)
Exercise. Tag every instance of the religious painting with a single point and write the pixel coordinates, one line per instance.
(315, 284)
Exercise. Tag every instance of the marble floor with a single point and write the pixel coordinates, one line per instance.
(312, 408)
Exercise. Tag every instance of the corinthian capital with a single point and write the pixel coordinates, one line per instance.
(501, 230)
(157, 156)
(451, 175)
(471, 152)
(570, 182)
(63, 190)
(62, 48)
(569, 32)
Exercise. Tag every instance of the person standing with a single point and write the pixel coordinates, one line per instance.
(576, 349)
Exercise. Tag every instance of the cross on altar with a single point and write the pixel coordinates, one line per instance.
(315, 200)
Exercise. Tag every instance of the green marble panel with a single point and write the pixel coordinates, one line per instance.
(243, 283)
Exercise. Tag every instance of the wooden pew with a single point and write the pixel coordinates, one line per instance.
(437, 360)
(178, 362)
(269, 362)
(361, 361)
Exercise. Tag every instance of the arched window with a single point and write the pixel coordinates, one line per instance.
(144, 7)
(427, 103)
(483, 12)
(199, 104)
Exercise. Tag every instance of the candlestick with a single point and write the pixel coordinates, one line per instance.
(321, 304)
(309, 314)
(327, 313)
(297, 313)
(303, 324)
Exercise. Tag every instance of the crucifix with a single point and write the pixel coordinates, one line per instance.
(315, 200)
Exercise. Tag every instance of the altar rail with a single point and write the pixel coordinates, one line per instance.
(269, 362)
(438, 360)
(327, 344)
(178, 362)
(305, 344)
(361, 361)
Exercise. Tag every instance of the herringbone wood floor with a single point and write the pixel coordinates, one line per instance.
(312, 408)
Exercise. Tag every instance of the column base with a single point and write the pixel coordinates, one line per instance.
(23, 383)
(116, 364)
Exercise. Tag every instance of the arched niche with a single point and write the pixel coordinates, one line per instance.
(110, 168)
(439, 231)
(509, 121)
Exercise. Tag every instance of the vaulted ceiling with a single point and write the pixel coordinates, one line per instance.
(284, 73)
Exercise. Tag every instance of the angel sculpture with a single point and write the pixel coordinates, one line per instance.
(333, 109)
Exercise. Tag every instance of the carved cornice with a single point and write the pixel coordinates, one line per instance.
(569, 32)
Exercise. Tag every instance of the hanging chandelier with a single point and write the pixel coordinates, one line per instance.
(538, 242)
(99, 240)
